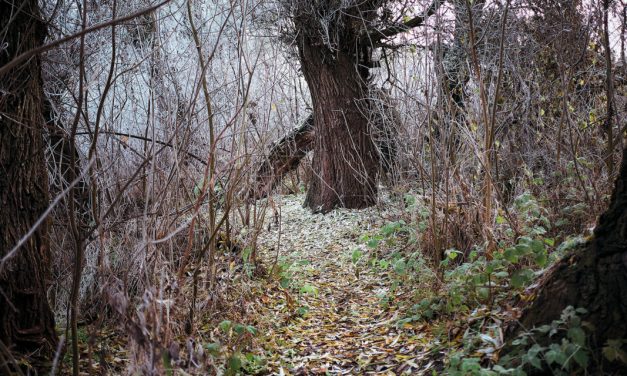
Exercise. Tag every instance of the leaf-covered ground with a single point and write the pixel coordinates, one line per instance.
(318, 308)
(328, 315)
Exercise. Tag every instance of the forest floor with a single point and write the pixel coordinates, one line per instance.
(323, 305)
(335, 314)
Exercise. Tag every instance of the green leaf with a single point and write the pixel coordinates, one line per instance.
(612, 350)
(234, 364)
(372, 243)
(484, 293)
(610, 353)
(551, 357)
(410, 200)
(581, 311)
(309, 289)
(537, 246)
(400, 266)
(252, 330)
(213, 348)
(521, 277)
(356, 256)
(543, 329)
(246, 252)
(452, 253)
(560, 357)
(239, 329)
(510, 255)
(302, 310)
(390, 228)
(577, 335)
(522, 249)
(581, 357)
(167, 363)
(285, 282)
(532, 356)
(225, 325)
(541, 259)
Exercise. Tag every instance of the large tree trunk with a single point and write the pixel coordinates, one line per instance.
(26, 321)
(286, 154)
(345, 160)
(594, 278)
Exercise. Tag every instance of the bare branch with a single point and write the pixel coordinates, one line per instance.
(36, 51)
(373, 36)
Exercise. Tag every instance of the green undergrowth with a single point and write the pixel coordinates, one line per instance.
(471, 296)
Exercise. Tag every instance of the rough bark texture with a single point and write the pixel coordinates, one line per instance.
(345, 160)
(26, 321)
(594, 278)
(285, 156)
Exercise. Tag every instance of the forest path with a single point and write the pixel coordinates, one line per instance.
(329, 316)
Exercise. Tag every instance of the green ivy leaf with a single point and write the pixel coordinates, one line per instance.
(302, 310)
(532, 356)
(484, 293)
(522, 249)
(551, 357)
(285, 282)
(400, 266)
(252, 330)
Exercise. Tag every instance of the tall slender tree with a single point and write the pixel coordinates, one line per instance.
(26, 320)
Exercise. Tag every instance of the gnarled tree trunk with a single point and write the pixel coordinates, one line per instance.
(345, 160)
(335, 41)
(594, 278)
(26, 321)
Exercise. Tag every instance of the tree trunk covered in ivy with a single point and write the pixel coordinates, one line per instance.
(26, 321)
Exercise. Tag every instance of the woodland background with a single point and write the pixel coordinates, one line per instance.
(168, 135)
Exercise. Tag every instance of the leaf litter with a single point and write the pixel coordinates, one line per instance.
(331, 319)
(315, 312)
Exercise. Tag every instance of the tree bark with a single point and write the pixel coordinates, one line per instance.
(345, 160)
(335, 41)
(594, 277)
(285, 156)
(26, 321)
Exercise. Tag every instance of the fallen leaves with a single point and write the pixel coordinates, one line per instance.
(346, 329)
